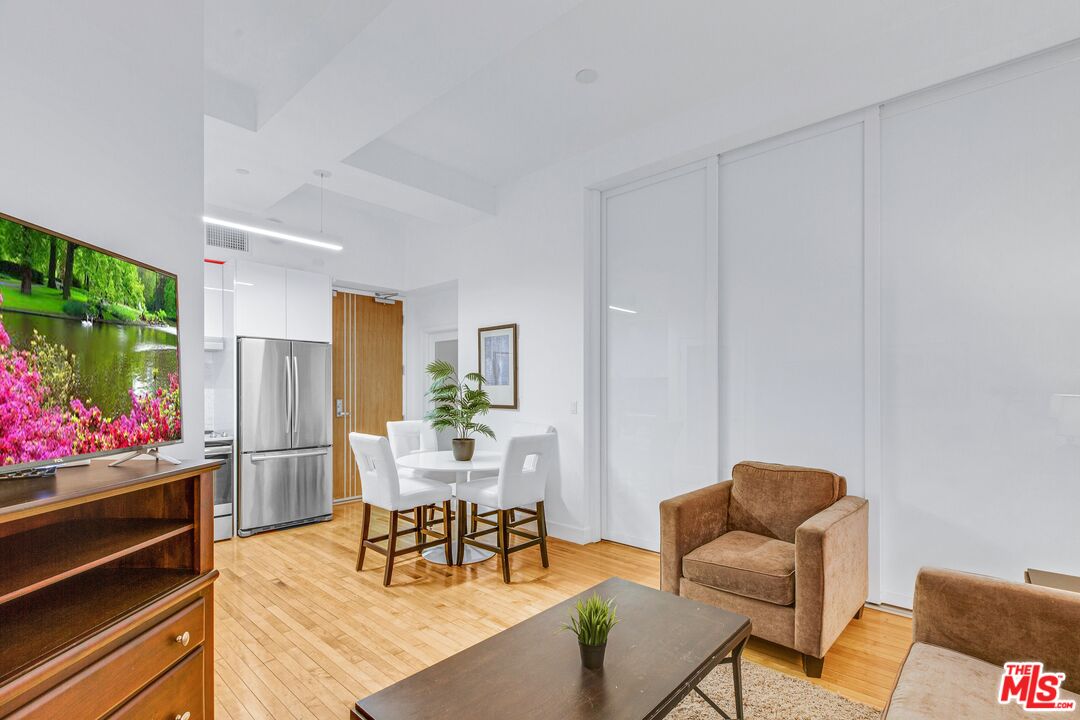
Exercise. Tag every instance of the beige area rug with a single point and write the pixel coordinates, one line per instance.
(770, 695)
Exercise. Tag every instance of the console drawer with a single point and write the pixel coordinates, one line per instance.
(176, 694)
(109, 682)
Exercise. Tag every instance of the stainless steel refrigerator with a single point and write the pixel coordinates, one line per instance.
(284, 434)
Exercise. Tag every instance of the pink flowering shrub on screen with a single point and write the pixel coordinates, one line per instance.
(31, 429)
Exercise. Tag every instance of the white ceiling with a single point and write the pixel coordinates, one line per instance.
(425, 107)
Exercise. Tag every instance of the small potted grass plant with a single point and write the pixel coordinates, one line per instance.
(456, 406)
(591, 621)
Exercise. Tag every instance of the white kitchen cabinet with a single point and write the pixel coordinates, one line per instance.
(308, 306)
(260, 300)
(275, 302)
(213, 302)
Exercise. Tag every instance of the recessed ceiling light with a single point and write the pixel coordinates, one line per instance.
(243, 171)
(586, 76)
(272, 233)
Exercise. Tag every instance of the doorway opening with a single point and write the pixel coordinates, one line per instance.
(442, 345)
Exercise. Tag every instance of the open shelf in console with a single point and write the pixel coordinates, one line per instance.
(38, 625)
(90, 561)
(46, 555)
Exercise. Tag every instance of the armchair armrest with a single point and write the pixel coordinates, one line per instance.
(831, 573)
(687, 522)
(998, 621)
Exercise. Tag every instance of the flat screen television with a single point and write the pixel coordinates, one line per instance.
(89, 351)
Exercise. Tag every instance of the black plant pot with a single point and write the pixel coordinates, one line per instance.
(592, 656)
(463, 448)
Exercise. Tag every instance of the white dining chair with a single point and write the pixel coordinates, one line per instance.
(384, 488)
(518, 429)
(522, 480)
(408, 437)
(413, 436)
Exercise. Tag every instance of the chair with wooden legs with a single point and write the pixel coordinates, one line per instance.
(521, 481)
(384, 488)
(488, 517)
(412, 436)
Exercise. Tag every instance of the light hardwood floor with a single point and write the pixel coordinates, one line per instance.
(299, 634)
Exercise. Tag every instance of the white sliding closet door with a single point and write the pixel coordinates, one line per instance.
(981, 330)
(660, 330)
(791, 304)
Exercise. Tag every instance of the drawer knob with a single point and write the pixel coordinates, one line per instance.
(185, 716)
(183, 640)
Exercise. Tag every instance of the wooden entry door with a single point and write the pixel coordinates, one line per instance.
(367, 378)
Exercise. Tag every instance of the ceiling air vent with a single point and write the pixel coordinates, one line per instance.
(227, 238)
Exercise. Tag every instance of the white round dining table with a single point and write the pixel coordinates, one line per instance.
(442, 466)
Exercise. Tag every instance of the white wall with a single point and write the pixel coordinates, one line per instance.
(427, 310)
(101, 139)
(525, 266)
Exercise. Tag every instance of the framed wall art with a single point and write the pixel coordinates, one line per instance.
(497, 352)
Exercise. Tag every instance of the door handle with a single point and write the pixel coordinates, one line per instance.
(288, 399)
(296, 398)
(287, 455)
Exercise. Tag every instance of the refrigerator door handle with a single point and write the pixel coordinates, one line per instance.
(288, 388)
(296, 399)
(286, 455)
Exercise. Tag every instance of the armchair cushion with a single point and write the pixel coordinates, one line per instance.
(745, 564)
(940, 684)
(773, 500)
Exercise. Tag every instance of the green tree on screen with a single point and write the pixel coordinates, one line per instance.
(24, 248)
(107, 279)
(69, 268)
(50, 276)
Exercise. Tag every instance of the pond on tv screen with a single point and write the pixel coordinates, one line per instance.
(88, 350)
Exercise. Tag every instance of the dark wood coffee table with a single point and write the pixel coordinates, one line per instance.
(661, 649)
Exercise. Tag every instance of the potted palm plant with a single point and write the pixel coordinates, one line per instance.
(456, 406)
(591, 621)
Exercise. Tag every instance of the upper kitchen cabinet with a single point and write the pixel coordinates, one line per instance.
(213, 305)
(273, 302)
(260, 300)
(308, 307)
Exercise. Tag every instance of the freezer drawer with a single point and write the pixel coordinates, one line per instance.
(284, 488)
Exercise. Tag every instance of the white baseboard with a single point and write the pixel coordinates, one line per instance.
(569, 533)
(905, 602)
(891, 609)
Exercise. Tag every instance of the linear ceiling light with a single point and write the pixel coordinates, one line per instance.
(272, 233)
(622, 309)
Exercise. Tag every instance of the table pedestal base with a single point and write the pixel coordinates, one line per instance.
(472, 554)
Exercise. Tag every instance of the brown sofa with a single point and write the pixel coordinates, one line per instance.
(783, 545)
(965, 628)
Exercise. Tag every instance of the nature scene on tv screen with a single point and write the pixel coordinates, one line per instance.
(88, 350)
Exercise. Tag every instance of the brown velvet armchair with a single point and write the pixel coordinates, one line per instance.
(783, 545)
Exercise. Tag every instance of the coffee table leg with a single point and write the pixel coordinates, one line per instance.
(736, 674)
